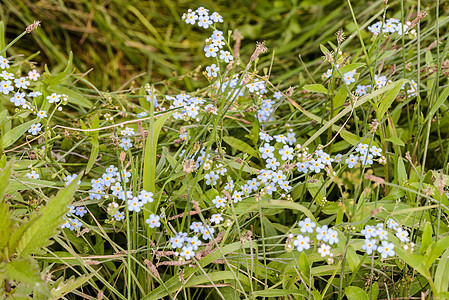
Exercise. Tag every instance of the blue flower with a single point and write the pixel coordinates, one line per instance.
(321, 233)
(176, 241)
(54, 98)
(6, 87)
(316, 165)
(153, 221)
(369, 232)
(187, 252)
(386, 249)
(70, 178)
(126, 144)
(302, 243)
(207, 232)
(6, 75)
(4, 63)
(216, 218)
(226, 56)
(362, 89)
(265, 136)
(303, 167)
(369, 246)
(119, 216)
(380, 80)
(216, 17)
(277, 95)
(352, 160)
(332, 236)
(392, 224)
(211, 50)
(349, 77)
(18, 99)
(80, 211)
(402, 235)
(33, 175)
(41, 114)
(212, 70)
(272, 163)
(145, 196)
(204, 21)
(196, 226)
(21, 83)
(191, 18)
(35, 128)
(134, 204)
(267, 151)
(307, 225)
(219, 202)
(194, 242)
(237, 197)
(286, 152)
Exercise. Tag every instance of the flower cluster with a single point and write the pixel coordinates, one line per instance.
(376, 238)
(311, 232)
(391, 25)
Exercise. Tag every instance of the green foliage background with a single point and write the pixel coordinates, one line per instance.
(121, 40)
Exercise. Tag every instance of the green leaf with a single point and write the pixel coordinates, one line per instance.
(240, 145)
(47, 222)
(401, 171)
(316, 88)
(16, 133)
(304, 265)
(25, 271)
(388, 100)
(396, 141)
(68, 286)
(426, 238)
(374, 291)
(340, 97)
(279, 293)
(355, 293)
(441, 99)
(350, 67)
(74, 96)
(149, 161)
(350, 137)
(436, 249)
(4, 177)
(442, 274)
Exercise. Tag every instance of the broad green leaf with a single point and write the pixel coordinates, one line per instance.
(68, 286)
(340, 97)
(413, 260)
(396, 141)
(388, 99)
(374, 291)
(48, 221)
(92, 158)
(401, 171)
(441, 99)
(442, 274)
(5, 173)
(355, 293)
(25, 271)
(16, 133)
(74, 96)
(436, 249)
(304, 265)
(350, 67)
(350, 137)
(426, 238)
(149, 160)
(240, 145)
(316, 88)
